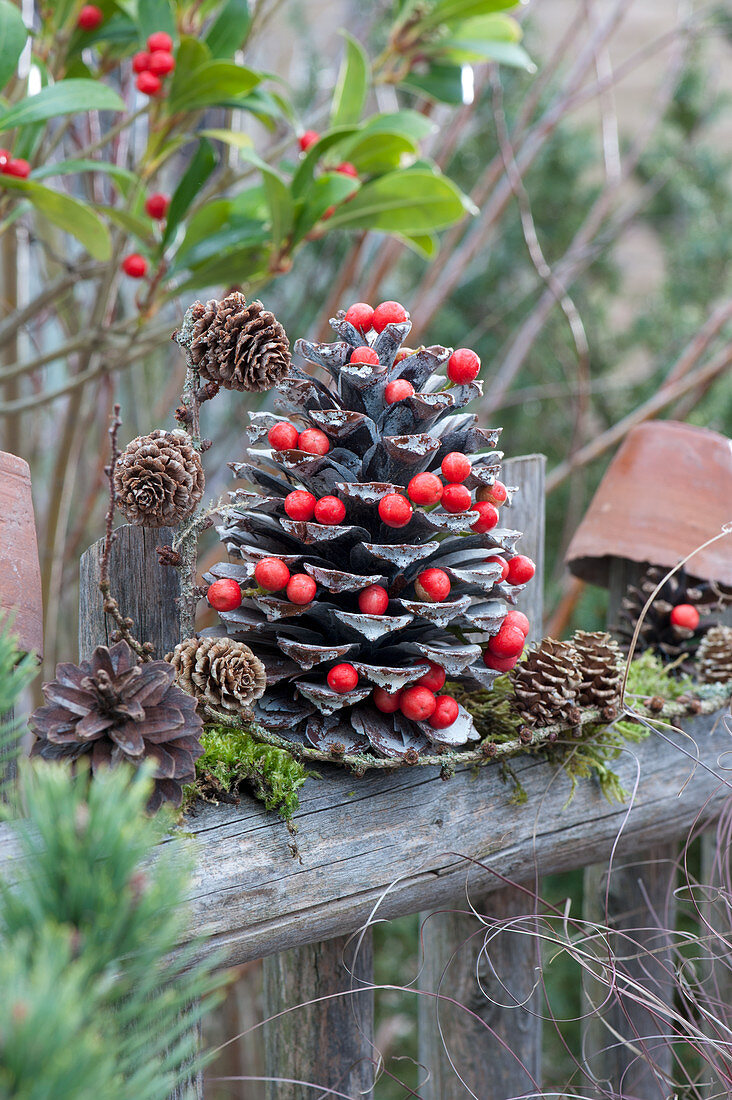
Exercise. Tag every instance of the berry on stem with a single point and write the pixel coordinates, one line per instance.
(388, 313)
(397, 390)
(224, 594)
(360, 315)
(313, 442)
(141, 62)
(497, 560)
(433, 585)
(134, 265)
(348, 169)
(4, 158)
(402, 354)
(307, 139)
(456, 498)
(434, 679)
(445, 713)
(271, 574)
(395, 510)
(17, 167)
(301, 588)
(330, 511)
(508, 642)
(386, 703)
(160, 41)
(283, 436)
(500, 664)
(300, 505)
(365, 355)
(455, 466)
(520, 569)
(497, 493)
(417, 703)
(156, 205)
(425, 489)
(488, 517)
(148, 83)
(161, 63)
(342, 678)
(686, 615)
(90, 17)
(517, 618)
(463, 366)
(373, 600)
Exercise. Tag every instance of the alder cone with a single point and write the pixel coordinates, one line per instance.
(238, 345)
(599, 664)
(114, 709)
(158, 479)
(219, 671)
(714, 656)
(547, 683)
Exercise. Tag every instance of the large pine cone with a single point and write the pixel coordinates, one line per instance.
(547, 683)
(113, 709)
(599, 664)
(240, 346)
(158, 479)
(714, 656)
(219, 671)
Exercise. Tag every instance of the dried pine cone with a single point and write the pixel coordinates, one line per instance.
(220, 671)
(546, 684)
(158, 479)
(599, 664)
(239, 346)
(113, 709)
(714, 656)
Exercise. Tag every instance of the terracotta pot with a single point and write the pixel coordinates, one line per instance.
(20, 575)
(668, 489)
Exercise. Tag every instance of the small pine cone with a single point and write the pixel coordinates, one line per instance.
(158, 479)
(714, 656)
(545, 685)
(220, 671)
(239, 346)
(599, 663)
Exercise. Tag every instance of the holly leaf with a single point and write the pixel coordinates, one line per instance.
(65, 98)
(352, 85)
(412, 202)
(12, 39)
(69, 214)
(229, 29)
(211, 84)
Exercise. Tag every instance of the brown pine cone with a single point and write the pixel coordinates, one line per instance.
(546, 684)
(158, 479)
(220, 671)
(239, 346)
(113, 709)
(714, 656)
(599, 663)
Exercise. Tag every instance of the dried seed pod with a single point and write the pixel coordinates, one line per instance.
(546, 684)
(714, 656)
(599, 663)
(158, 479)
(220, 671)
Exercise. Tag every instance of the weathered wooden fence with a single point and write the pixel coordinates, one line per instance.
(391, 844)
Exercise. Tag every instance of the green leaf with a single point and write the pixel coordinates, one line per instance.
(12, 39)
(413, 203)
(229, 137)
(241, 265)
(131, 223)
(218, 245)
(65, 98)
(374, 154)
(193, 179)
(407, 123)
(214, 83)
(505, 53)
(303, 177)
(191, 55)
(69, 214)
(488, 28)
(330, 189)
(229, 29)
(441, 82)
(352, 85)
(279, 198)
(155, 15)
(123, 176)
(449, 11)
(424, 244)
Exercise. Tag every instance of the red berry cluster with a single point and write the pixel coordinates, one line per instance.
(306, 140)
(154, 64)
(364, 317)
(273, 575)
(420, 702)
(13, 166)
(285, 437)
(505, 647)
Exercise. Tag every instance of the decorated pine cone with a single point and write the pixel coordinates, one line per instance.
(219, 671)
(113, 709)
(158, 479)
(599, 664)
(546, 685)
(713, 663)
(361, 588)
(239, 346)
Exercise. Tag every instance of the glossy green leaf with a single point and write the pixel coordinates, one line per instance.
(213, 83)
(330, 189)
(155, 15)
(303, 178)
(266, 106)
(217, 245)
(118, 31)
(204, 222)
(505, 53)
(441, 82)
(449, 11)
(351, 87)
(238, 140)
(131, 223)
(229, 29)
(12, 39)
(122, 176)
(413, 202)
(247, 264)
(193, 179)
(191, 55)
(410, 124)
(69, 214)
(374, 154)
(65, 98)
(424, 244)
(279, 198)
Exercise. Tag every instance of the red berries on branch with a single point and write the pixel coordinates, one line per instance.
(160, 40)
(149, 84)
(508, 642)
(347, 169)
(445, 712)
(90, 17)
(156, 205)
(17, 167)
(307, 139)
(417, 703)
(134, 265)
(224, 594)
(685, 615)
(153, 65)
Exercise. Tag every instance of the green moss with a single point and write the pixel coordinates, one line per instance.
(647, 677)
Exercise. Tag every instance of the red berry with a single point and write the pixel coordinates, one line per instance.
(432, 585)
(388, 313)
(271, 574)
(141, 62)
(417, 703)
(360, 316)
(148, 84)
(301, 588)
(283, 436)
(373, 600)
(455, 466)
(385, 702)
(90, 17)
(488, 517)
(300, 505)
(497, 493)
(307, 139)
(224, 594)
(517, 618)
(342, 678)
(508, 642)
(19, 168)
(160, 41)
(313, 442)
(330, 511)
(347, 169)
(434, 679)
(161, 63)
(365, 355)
(686, 615)
(402, 354)
(445, 712)
(456, 498)
(463, 366)
(4, 158)
(395, 510)
(156, 205)
(520, 569)
(398, 391)
(503, 564)
(425, 488)
(134, 265)
(500, 664)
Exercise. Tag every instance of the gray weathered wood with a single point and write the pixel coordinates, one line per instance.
(9, 746)
(452, 1042)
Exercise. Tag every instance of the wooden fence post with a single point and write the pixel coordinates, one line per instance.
(147, 592)
(488, 1067)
